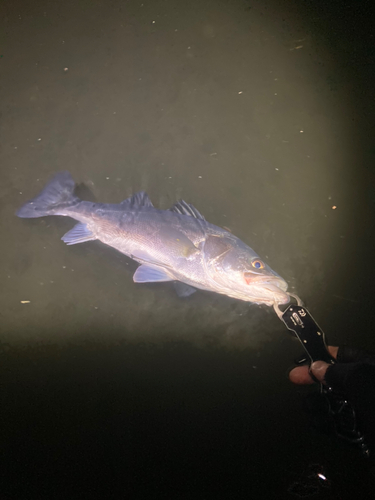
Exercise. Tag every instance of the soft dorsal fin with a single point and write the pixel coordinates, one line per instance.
(140, 199)
(183, 208)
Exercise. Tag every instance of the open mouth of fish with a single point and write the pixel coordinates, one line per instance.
(274, 286)
(267, 282)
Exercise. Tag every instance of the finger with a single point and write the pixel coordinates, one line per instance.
(333, 350)
(318, 369)
(300, 375)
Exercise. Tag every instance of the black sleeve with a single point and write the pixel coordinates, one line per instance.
(357, 382)
(347, 354)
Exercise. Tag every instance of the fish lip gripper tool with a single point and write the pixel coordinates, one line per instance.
(342, 415)
(299, 321)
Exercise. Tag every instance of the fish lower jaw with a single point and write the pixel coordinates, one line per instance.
(274, 295)
(268, 301)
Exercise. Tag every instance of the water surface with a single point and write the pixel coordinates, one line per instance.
(258, 114)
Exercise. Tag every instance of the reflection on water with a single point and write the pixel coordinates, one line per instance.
(244, 110)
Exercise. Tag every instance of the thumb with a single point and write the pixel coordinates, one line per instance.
(318, 370)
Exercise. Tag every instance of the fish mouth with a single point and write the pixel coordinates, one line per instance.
(280, 296)
(274, 287)
(272, 281)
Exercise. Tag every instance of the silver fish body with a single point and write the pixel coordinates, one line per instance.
(171, 245)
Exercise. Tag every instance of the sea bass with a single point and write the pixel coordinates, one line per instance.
(170, 245)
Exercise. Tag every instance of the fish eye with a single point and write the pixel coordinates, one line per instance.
(258, 264)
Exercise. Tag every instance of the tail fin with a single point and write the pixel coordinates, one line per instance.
(57, 195)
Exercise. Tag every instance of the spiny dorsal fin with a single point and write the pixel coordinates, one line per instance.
(183, 208)
(139, 199)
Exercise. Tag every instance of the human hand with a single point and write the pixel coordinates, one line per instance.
(352, 376)
(301, 374)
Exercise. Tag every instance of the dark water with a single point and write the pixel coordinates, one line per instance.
(261, 115)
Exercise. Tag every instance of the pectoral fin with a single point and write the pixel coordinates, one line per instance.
(183, 290)
(147, 274)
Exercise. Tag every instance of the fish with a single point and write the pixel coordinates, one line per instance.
(176, 245)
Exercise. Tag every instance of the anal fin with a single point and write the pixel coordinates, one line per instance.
(79, 234)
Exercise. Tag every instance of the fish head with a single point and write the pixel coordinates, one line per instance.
(240, 273)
